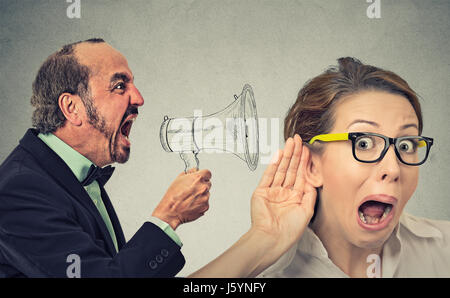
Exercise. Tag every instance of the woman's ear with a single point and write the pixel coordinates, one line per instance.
(313, 174)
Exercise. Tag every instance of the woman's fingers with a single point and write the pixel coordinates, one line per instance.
(271, 169)
(300, 178)
(283, 170)
(291, 173)
(309, 199)
(284, 164)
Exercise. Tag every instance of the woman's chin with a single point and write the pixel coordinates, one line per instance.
(371, 239)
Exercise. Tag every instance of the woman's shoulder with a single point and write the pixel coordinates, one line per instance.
(425, 228)
(425, 247)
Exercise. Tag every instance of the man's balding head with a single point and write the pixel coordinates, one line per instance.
(61, 72)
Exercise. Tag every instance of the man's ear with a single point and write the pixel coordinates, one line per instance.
(71, 106)
(313, 173)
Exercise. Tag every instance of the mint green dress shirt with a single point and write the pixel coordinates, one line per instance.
(80, 165)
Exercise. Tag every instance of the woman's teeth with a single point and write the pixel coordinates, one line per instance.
(367, 219)
(386, 211)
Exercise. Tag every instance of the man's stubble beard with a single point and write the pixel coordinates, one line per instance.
(98, 122)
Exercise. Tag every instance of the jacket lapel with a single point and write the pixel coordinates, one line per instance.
(114, 219)
(59, 171)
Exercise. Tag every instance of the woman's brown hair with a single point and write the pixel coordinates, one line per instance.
(312, 113)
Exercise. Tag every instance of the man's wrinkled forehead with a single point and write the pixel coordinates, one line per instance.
(101, 58)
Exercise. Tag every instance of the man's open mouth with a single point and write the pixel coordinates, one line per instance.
(127, 121)
(126, 127)
(374, 212)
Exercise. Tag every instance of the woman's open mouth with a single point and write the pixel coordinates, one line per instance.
(376, 212)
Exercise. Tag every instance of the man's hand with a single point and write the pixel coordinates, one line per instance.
(283, 203)
(186, 199)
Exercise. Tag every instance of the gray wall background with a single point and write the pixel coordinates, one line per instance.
(189, 55)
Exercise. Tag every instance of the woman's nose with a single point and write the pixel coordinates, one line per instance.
(389, 166)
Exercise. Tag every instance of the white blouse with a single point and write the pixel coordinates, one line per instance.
(418, 247)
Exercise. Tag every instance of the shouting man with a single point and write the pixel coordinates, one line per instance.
(52, 198)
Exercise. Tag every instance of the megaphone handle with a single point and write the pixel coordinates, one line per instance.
(189, 160)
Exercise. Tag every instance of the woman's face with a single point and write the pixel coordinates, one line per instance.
(348, 183)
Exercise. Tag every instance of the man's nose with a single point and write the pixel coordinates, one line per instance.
(136, 98)
(389, 166)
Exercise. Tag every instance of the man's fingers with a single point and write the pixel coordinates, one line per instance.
(291, 173)
(203, 201)
(300, 178)
(284, 164)
(205, 174)
(208, 185)
(193, 170)
(198, 189)
(271, 169)
(199, 200)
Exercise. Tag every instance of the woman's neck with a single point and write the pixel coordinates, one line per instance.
(351, 259)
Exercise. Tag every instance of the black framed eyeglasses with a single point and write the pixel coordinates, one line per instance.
(370, 147)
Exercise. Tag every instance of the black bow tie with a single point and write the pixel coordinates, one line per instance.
(102, 175)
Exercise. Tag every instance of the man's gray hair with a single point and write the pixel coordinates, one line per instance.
(61, 72)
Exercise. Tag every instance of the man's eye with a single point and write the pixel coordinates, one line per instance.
(119, 86)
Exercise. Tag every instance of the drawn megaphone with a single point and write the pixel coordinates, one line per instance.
(231, 130)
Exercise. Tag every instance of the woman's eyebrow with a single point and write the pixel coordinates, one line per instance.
(408, 126)
(363, 121)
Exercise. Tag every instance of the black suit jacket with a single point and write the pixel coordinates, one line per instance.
(46, 215)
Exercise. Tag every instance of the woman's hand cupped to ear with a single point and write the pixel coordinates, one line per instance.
(281, 207)
(283, 203)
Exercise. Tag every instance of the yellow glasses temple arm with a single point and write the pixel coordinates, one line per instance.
(422, 143)
(330, 137)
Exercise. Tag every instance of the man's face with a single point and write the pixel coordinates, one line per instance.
(114, 102)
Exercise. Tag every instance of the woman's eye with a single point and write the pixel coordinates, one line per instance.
(407, 146)
(364, 143)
